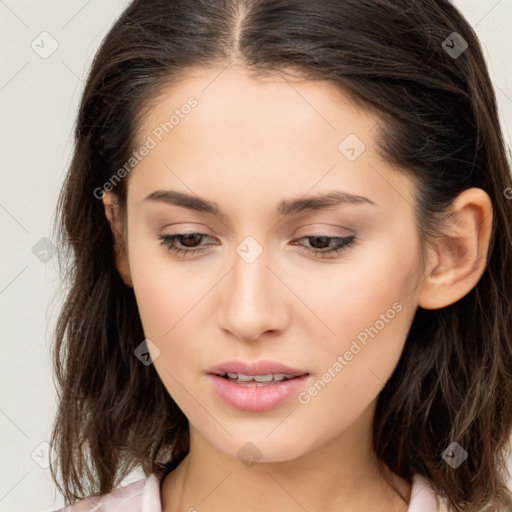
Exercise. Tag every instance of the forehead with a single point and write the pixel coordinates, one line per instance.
(277, 132)
(277, 103)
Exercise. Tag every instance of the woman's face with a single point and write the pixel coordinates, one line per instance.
(265, 152)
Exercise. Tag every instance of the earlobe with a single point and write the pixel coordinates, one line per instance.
(459, 258)
(110, 204)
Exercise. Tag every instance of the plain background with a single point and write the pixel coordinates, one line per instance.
(39, 96)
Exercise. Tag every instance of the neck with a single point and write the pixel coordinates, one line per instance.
(341, 475)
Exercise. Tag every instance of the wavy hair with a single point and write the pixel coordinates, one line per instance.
(439, 124)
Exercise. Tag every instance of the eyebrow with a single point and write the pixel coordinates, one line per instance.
(285, 207)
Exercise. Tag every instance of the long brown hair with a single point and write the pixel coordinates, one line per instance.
(453, 382)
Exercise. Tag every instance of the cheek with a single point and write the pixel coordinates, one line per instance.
(368, 308)
(353, 365)
(353, 295)
(165, 291)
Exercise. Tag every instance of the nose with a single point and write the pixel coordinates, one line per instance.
(253, 299)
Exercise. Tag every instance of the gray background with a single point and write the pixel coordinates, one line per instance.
(38, 103)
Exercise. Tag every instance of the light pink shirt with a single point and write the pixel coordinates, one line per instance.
(144, 496)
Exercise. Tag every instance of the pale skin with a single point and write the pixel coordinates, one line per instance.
(248, 145)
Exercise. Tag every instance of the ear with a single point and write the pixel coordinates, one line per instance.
(111, 206)
(459, 259)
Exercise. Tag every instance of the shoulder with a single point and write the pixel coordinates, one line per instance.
(140, 496)
(423, 497)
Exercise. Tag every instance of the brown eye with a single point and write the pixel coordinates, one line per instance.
(329, 245)
(188, 242)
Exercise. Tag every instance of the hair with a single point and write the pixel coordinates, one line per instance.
(438, 123)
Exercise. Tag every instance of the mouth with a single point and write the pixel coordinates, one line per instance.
(256, 386)
(258, 393)
(268, 379)
(256, 372)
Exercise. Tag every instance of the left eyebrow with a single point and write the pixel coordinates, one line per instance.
(285, 207)
(322, 201)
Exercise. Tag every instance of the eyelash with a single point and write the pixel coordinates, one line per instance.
(344, 243)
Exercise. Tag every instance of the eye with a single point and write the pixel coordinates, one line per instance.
(322, 246)
(187, 240)
(327, 245)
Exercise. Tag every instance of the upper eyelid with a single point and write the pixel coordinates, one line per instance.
(311, 231)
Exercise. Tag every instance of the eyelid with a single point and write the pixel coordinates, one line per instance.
(186, 227)
(322, 225)
(323, 231)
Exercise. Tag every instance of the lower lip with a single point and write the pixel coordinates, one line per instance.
(254, 398)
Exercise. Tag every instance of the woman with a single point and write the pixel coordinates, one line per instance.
(290, 286)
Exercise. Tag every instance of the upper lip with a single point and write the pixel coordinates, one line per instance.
(262, 367)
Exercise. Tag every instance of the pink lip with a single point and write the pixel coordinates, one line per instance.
(252, 398)
(257, 368)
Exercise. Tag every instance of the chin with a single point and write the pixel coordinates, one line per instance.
(261, 449)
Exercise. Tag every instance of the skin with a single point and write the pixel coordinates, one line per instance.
(249, 144)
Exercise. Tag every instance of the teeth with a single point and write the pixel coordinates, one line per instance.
(259, 378)
(263, 378)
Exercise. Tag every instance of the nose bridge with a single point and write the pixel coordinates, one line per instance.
(251, 301)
